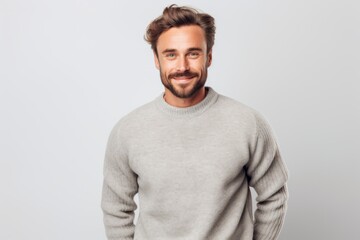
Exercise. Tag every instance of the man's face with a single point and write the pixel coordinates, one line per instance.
(182, 60)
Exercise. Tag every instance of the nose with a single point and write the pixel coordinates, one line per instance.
(183, 64)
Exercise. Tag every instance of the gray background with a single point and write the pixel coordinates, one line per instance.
(70, 69)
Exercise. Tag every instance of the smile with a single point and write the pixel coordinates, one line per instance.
(183, 79)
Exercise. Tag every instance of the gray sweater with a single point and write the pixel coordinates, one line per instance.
(192, 168)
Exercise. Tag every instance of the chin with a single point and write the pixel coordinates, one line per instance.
(187, 92)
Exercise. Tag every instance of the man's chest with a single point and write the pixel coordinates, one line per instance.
(188, 157)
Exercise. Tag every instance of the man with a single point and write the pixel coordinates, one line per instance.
(191, 153)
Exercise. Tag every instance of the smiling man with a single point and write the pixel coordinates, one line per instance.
(182, 58)
(191, 154)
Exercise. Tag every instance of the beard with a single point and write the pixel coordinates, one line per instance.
(183, 92)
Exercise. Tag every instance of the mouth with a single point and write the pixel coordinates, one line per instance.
(183, 78)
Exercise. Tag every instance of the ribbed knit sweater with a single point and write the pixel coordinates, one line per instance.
(192, 168)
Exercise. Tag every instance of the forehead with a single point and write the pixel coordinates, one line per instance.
(182, 38)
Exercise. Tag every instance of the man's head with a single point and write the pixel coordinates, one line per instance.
(174, 16)
(182, 41)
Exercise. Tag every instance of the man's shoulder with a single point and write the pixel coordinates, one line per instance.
(137, 116)
(233, 103)
(235, 106)
(239, 110)
(142, 112)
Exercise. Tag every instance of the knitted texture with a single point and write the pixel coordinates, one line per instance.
(192, 168)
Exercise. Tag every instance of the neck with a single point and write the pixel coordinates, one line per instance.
(184, 102)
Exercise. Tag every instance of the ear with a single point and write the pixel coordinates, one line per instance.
(156, 60)
(209, 58)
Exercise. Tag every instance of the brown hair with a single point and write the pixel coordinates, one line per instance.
(174, 16)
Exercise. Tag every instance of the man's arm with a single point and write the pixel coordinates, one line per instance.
(119, 188)
(268, 176)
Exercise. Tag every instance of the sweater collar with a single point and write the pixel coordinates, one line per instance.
(194, 110)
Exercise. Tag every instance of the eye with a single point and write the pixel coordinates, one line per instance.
(170, 55)
(193, 54)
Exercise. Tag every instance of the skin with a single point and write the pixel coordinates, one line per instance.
(182, 60)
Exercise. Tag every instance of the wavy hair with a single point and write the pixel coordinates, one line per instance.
(174, 16)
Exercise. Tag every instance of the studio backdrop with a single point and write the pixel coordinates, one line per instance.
(70, 69)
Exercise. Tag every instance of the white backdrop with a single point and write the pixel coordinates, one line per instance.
(70, 69)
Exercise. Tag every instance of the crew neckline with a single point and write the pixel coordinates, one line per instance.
(191, 111)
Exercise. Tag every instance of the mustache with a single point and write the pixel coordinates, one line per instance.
(182, 74)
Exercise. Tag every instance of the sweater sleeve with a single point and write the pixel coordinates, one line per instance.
(119, 189)
(268, 176)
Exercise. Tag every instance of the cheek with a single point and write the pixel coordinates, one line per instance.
(199, 65)
(168, 68)
(200, 68)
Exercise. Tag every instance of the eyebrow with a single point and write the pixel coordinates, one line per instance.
(171, 50)
(195, 49)
(168, 50)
